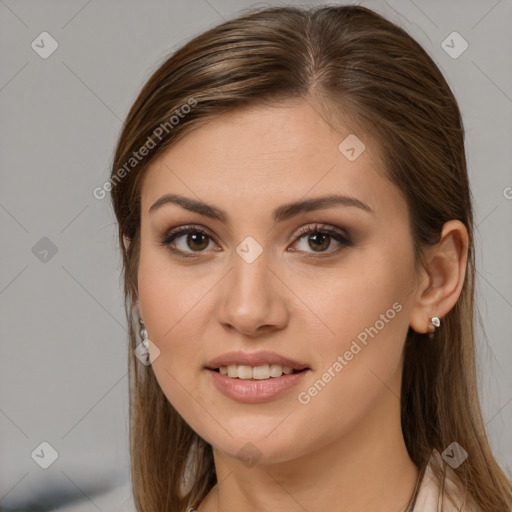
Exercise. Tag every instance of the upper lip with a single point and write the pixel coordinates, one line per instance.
(254, 359)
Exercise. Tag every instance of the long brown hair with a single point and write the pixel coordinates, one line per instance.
(351, 61)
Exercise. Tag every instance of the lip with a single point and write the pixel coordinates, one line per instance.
(252, 391)
(254, 359)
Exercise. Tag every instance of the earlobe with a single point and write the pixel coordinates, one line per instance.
(442, 278)
(126, 242)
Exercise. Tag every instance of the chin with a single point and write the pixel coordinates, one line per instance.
(252, 444)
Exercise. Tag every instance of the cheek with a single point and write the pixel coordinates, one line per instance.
(170, 296)
(170, 302)
(170, 306)
(364, 299)
(362, 341)
(360, 354)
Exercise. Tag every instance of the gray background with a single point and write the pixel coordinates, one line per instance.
(63, 365)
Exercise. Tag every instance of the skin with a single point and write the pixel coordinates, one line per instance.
(344, 450)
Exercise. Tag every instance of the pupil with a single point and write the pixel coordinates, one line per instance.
(324, 238)
(193, 237)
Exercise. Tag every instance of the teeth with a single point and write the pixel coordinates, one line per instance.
(262, 372)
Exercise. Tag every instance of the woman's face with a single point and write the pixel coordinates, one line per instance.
(337, 302)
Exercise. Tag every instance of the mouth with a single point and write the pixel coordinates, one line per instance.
(262, 365)
(261, 372)
(256, 384)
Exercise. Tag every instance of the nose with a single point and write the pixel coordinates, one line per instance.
(253, 299)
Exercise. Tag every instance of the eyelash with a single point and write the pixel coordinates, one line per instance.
(315, 229)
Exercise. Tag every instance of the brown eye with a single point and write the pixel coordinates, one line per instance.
(319, 241)
(196, 241)
(319, 238)
(187, 240)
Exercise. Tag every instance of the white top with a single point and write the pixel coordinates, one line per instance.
(429, 497)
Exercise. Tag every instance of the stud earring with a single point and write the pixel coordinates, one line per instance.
(434, 324)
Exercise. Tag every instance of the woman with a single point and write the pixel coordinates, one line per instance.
(297, 240)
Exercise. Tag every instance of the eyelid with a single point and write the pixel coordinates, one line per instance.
(321, 227)
(185, 229)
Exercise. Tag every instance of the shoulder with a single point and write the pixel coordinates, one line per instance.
(450, 497)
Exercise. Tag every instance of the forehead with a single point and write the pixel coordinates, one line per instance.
(254, 134)
(256, 156)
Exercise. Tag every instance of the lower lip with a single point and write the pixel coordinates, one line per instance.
(251, 391)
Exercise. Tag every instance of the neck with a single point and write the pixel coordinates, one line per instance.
(366, 468)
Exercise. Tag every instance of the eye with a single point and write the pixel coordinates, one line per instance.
(319, 237)
(193, 238)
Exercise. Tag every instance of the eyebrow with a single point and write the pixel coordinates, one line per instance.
(280, 214)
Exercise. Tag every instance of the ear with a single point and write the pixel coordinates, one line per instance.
(441, 281)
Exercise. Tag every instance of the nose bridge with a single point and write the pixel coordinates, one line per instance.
(250, 295)
(250, 286)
